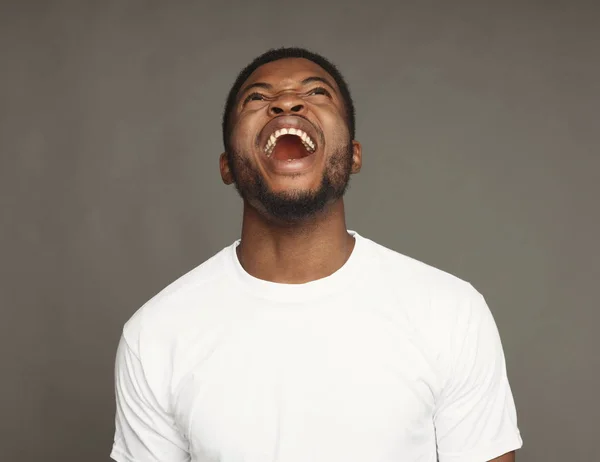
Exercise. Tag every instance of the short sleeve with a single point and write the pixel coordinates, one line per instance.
(475, 418)
(144, 431)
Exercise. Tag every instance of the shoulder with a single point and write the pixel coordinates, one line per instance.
(439, 309)
(416, 277)
(167, 314)
(436, 304)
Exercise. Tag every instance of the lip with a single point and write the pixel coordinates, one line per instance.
(292, 167)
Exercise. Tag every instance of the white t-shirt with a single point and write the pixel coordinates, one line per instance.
(386, 360)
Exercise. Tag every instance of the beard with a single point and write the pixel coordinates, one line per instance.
(294, 205)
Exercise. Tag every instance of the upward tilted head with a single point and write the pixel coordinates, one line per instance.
(288, 132)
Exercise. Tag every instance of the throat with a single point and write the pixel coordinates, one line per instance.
(289, 147)
(302, 263)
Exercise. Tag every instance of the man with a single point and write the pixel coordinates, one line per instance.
(303, 341)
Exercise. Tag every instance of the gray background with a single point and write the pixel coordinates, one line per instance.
(480, 129)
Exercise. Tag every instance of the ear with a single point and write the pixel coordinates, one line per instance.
(356, 156)
(225, 170)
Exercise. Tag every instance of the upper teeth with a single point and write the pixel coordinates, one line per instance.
(309, 144)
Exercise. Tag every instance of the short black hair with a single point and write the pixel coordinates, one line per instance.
(282, 53)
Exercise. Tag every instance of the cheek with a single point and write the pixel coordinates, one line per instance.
(333, 123)
(337, 132)
(246, 128)
(241, 135)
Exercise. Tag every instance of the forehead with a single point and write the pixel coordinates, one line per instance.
(288, 70)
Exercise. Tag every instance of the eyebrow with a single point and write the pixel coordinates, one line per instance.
(264, 85)
(268, 86)
(318, 79)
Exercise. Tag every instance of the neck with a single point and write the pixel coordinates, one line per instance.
(295, 254)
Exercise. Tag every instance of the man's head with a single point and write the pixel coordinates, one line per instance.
(288, 131)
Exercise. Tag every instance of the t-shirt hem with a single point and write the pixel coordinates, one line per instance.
(118, 456)
(485, 453)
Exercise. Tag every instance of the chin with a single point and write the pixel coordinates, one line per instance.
(294, 205)
(294, 188)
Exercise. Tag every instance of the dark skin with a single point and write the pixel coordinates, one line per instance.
(319, 245)
(508, 457)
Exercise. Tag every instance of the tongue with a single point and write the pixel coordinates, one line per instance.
(289, 147)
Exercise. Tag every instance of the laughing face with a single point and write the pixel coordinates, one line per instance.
(290, 153)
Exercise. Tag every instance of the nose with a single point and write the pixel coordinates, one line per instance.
(287, 104)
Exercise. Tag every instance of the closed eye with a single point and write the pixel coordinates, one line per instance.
(254, 97)
(319, 91)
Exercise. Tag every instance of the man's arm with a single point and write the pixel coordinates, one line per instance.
(510, 457)
(144, 431)
(475, 418)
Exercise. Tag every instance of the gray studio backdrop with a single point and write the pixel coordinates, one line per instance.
(480, 129)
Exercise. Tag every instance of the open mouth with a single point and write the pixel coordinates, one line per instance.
(289, 143)
(289, 139)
